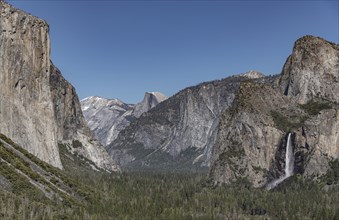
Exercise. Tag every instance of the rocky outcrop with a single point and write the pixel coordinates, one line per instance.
(38, 107)
(311, 71)
(180, 131)
(303, 100)
(107, 117)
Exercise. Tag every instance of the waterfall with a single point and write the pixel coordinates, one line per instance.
(289, 160)
(289, 165)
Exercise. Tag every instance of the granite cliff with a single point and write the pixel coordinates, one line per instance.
(302, 100)
(38, 107)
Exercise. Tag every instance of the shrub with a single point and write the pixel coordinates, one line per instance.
(332, 175)
(76, 144)
(314, 107)
(283, 122)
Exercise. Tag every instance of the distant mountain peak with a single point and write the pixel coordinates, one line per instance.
(159, 95)
(151, 99)
(107, 117)
(252, 74)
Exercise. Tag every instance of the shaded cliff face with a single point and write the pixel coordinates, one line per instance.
(179, 132)
(71, 124)
(303, 100)
(38, 107)
(67, 108)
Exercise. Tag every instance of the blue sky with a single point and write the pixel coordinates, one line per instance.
(121, 49)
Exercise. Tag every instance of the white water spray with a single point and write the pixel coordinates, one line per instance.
(289, 165)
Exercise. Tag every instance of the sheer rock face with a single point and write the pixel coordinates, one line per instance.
(180, 131)
(26, 110)
(38, 107)
(252, 136)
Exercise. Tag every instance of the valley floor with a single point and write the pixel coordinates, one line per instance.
(179, 196)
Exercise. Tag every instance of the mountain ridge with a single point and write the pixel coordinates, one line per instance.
(107, 117)
(192, 110)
